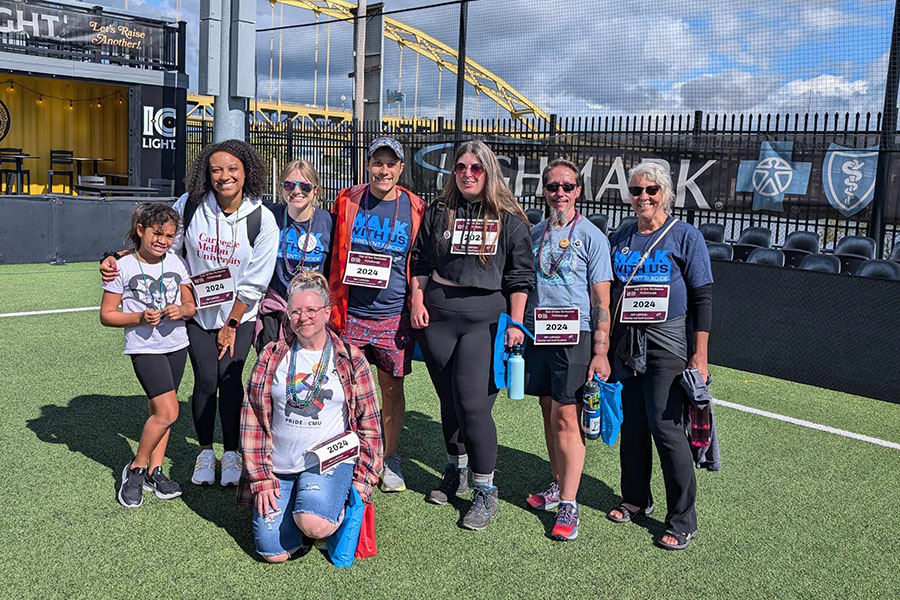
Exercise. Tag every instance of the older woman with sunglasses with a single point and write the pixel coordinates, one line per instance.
(305, 390)
(663, 284)
(304, 244)
(472, 261)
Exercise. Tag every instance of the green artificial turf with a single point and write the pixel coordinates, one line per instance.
(794, 513)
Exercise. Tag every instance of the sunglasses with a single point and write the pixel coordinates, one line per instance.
(635, 190)
(476, 169)
(305, 186)
(553, 187)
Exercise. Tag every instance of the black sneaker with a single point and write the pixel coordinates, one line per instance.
(131, 490)
(484, 508)
(454, 482)
(162, 486)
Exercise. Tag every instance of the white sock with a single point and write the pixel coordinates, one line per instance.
(569, 502)
(460, 462)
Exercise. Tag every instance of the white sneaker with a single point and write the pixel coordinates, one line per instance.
(205, 468)
(231, 468)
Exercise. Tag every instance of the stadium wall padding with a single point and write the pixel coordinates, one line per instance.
(839, 332)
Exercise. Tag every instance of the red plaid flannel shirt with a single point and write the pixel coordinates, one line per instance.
(256, 419)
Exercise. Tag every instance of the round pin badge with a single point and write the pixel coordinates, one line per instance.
(564, 243)
(577, 243)
(625, 250)
(447, 235)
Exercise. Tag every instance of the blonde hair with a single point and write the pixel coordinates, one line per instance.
(496, 195)
(310, 282)
(308, 171)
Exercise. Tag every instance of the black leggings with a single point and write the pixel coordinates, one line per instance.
(653, 405)
(458, 347)
(224, 376)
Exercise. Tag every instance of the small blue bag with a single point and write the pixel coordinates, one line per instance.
(342, 543)
(610, 410)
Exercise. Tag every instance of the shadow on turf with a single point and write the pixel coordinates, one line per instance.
(99, 427)
(519, 474)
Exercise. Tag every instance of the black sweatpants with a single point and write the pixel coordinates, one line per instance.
(653, 406)
(212, 375)
(458, 347)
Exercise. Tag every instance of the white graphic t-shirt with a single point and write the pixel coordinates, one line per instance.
(298, 425)
(151, 286)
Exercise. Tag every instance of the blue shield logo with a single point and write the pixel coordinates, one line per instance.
(848, 177)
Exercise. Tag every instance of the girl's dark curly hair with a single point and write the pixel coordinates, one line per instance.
(197, 180)
(147, 215)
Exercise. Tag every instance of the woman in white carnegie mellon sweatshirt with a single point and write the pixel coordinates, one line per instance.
(230, 243)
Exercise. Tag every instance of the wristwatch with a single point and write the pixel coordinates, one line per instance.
(233, 323)
(107, 254)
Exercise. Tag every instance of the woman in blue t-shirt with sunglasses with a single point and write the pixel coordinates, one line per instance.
(304, 244)
(661, 325)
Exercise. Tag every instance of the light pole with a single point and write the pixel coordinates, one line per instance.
(343, 97)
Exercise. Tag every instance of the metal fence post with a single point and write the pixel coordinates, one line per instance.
(695, 134)
(461, 67)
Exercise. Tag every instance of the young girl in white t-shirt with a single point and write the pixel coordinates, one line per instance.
(154, 291)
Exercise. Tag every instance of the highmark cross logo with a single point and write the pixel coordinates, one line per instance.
(772, 176)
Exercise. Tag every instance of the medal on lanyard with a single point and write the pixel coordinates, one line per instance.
(563, 243)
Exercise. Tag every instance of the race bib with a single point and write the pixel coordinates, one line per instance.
(340, 449)
(645, 304)
(556, 326)
(213, 287)
(467, 236)
(368, 270)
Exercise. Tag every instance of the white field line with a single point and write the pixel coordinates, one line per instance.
(49, 312)
(811, 425)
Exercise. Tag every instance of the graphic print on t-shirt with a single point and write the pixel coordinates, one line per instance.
(146, 289)
(550, 253)
(379, 232)
(293, 244)
(303, 385)
(656, 269)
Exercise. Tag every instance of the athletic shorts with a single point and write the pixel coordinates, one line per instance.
(159, 373)
(558, 371)
(387, 342)
(307, 492)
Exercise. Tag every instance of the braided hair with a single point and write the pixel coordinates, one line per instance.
(197, 179)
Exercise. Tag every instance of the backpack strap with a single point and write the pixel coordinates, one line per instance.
(189, 209)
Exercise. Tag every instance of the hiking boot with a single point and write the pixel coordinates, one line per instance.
(131, 490)
(391, 477)
(205, 468)
(547, 499)
(162, 486)
(231, 468)
(566, 526)
(454, 482)
(484, 508)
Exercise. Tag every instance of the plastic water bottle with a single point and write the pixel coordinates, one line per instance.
(699, 425)
(590, 411)
(516, 366)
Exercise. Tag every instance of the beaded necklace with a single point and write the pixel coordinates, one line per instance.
(284, 257)
(563, 243)
(162, 272)
(233, 235)
(290, 394)
(365, 208)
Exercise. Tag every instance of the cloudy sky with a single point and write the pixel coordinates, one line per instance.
(599, 57)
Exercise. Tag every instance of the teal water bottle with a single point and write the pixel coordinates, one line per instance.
(516, 367)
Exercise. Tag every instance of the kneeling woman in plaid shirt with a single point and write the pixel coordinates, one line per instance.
(305, 390)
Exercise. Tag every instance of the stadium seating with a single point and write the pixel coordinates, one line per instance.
(600, 220)
(823, 263)
(852, 250)
(719, 250)
(534, 215)
(712, 232)
(881, 269)
(895, 253)
(752, 237)
(625, 222)
(766, 256)
(799, 244)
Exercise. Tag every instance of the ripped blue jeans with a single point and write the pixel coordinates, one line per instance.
(306, 492)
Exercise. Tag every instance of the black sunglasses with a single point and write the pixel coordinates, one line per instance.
(305, 186)
(635, 190)
(567, 187)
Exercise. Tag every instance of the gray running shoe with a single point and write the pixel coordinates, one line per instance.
(162, 486)
(454, 482)
(484, 508)
(391, 477)
(131, 489)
